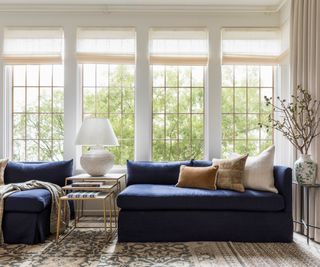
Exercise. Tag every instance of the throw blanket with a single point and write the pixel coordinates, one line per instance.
(55, 191)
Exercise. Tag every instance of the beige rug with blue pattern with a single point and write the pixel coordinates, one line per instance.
(89, 247)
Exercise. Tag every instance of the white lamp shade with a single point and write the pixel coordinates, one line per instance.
(96, 131)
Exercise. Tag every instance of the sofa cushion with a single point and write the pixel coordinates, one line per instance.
(169, 197)
(53, 172)
(201, 163)
(148, 172)
(34, 200)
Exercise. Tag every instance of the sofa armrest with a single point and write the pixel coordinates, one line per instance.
(283, 182)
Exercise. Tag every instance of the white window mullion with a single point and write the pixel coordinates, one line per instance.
(3, 140)
(7, 112)
(143, 98)
(2, 114)
(72, 118)
(282, 156)
(213, 97)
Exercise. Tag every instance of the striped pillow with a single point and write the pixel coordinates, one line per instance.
(231, 173)
(3, 164)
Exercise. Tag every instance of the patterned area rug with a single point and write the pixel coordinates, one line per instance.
(85, 247)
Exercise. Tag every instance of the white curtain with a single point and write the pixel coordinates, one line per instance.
(305, 70)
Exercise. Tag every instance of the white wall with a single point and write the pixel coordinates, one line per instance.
(142, 22)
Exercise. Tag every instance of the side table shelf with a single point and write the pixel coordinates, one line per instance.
(117, 177)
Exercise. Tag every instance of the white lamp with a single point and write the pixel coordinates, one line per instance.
(96, 133)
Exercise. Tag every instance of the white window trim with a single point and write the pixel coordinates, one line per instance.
(7, 113)
(213, 96)
(2, 114)
(72, 96)
(3, 102)
(143, 97)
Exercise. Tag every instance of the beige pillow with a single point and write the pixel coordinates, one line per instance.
(231, 173)
(3, 164)
(198, 177)
(258, 172)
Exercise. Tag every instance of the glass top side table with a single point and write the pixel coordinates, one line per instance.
(305, 221)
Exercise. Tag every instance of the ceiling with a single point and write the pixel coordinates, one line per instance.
(242, 5)
(262, 3)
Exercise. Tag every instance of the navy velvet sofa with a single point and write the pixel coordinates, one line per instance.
(27, 213)
(154, 210)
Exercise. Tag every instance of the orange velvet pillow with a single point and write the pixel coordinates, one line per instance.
(198, 177)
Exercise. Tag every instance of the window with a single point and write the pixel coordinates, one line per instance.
(37, 112)
(178, 112)
(249, 59)
(107, 57)
(178, 59)
(243, 107)
(33, 57)
(108, 92)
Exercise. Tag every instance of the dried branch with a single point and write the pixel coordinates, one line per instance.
(299, 121)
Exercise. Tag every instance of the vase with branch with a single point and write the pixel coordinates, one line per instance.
(298, 121)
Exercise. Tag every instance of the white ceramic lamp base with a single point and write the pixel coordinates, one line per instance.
(97, 161)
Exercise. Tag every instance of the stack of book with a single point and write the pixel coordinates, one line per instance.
(84, 194)
(87, 184)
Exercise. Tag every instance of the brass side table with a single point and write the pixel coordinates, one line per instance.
(305, 191)
(106, 192)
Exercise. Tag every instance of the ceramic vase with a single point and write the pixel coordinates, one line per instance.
(305, 170)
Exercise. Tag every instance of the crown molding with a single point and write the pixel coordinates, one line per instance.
(105, 9)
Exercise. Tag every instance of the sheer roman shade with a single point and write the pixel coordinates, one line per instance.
(178, 47)
(106, 45)
(33, 45)
(251, 46)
